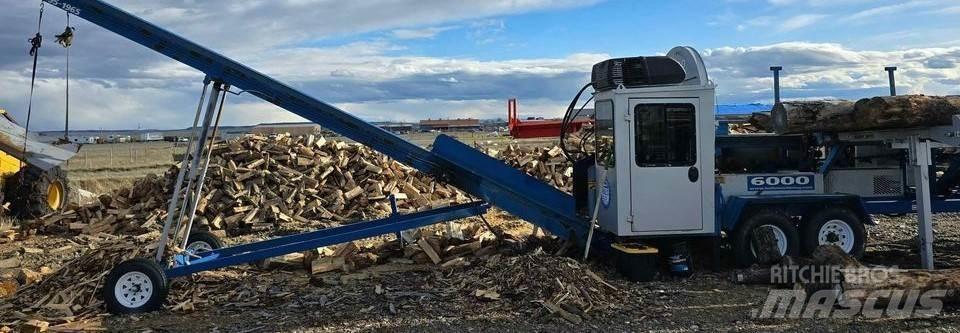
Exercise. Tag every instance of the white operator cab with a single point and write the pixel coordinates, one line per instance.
(655, 154)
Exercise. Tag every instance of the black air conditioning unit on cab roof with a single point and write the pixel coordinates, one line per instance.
(636, 72)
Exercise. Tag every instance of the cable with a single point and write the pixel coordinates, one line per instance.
(66, 40)
(35, 44)
(565, 124)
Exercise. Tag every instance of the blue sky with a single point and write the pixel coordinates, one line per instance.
(623, 27)
(406, 60)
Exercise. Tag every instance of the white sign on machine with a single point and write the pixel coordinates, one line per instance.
(780, 183)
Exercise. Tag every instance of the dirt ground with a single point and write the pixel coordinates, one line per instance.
(434, 299)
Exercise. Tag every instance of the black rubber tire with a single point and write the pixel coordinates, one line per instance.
(742, 235)
(206, 237)
(31, 200)
(148, 267)
(811, 229)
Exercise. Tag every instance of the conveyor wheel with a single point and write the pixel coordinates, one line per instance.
(135, 286)
(202, 241)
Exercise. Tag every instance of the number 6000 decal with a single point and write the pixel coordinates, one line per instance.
(780, 183)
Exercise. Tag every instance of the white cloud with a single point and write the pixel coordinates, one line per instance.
(887, 10)
(265, 24)
(367, 61)
(816, 69)
(800, 21)
(947, 11)
(423, 33)
(761, 21)
(816, 3)
(781, 24)
(118, 84)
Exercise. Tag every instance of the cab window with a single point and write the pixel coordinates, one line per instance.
(665, 135)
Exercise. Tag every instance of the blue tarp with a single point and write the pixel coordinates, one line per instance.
(742, 108)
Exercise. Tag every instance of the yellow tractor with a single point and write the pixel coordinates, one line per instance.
(33, 182)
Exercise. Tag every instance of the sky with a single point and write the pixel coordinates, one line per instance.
(404, 60)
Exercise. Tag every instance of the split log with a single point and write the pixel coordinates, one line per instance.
(429, 250)
(887, 112)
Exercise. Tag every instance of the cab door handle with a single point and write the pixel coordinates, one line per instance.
(693, 174)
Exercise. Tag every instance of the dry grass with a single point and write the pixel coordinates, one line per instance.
(102, 168)
(106, 167)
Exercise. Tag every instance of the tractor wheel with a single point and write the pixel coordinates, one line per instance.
(42, 192)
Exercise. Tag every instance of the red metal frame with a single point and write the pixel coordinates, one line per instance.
(545, 128)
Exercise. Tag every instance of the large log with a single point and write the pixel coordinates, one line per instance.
(887, 112)
(860, 284)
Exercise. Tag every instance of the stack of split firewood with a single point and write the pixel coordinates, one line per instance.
(547, 164)
(128, 210)
(258, 183)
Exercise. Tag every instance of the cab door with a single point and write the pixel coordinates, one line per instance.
(665, 172)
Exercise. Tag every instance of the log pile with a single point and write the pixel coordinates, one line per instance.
(432, 249)
(887, 112)
(546, 164)
(126, 211)
(259, 184)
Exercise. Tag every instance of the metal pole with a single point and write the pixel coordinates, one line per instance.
(198, 152)
(394, 211)
(776, 82)
(179, 184)
(203, 174)
(596, 211)
(920, 156)
(893, 84)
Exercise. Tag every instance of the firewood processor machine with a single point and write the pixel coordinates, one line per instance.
(652, 182)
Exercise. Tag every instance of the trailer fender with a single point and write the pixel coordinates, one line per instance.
(734, 207)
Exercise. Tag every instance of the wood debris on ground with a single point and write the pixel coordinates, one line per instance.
(71, 294)
(270, 184)
(563, 286)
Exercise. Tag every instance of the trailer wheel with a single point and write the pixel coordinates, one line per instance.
(837, 226)
(135, 286)
(788, 238)
(203, 241)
